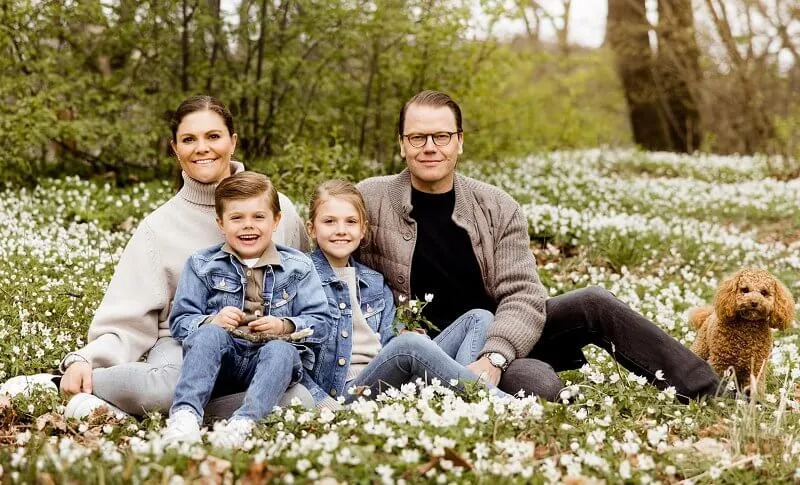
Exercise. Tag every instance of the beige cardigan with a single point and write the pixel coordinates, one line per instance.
(134, 311)
(499, 235)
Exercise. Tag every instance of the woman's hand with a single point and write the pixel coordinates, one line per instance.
(272, 325)
(228, 318)
(77, 378)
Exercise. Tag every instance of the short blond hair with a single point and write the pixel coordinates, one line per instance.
(340, 189)
(245, 185)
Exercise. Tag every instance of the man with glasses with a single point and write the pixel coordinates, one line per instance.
(466, 242)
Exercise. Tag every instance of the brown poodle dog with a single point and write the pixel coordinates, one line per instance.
(735, 332)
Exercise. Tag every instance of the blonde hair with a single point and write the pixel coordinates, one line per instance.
(245, 185)
(340, 189)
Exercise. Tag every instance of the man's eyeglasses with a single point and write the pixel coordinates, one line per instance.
(440, 139)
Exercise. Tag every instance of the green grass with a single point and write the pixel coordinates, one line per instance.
(613, 219)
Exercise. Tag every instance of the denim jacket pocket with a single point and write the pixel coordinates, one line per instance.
(282, 300)
(225, 291)
(372, 311)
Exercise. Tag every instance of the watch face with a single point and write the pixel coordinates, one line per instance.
(497, 359)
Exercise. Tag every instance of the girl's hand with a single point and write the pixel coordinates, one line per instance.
(271, 325)
(228, 318)
(77, 378)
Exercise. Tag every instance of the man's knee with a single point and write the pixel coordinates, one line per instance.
(532, 376)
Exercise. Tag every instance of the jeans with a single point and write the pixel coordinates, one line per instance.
(593, 315)
(404, 359)
(141, 387)
(466, 336)
(215, 360)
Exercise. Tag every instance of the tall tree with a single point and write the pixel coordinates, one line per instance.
(628, 35)
(678, 73)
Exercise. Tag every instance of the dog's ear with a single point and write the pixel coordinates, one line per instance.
(783, 310)
(725, 301)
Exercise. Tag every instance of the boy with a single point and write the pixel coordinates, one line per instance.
(247, 285)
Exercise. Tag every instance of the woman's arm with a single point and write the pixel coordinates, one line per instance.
(125, 325)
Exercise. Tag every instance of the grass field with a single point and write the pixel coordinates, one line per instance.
(658, 230)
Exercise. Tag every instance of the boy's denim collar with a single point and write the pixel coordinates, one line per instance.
(326, 273)
(270, 256)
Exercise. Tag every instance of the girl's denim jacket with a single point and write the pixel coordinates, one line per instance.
(377, 306)
(213, 279)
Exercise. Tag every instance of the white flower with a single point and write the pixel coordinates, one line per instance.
(659, 375)
(714, 472)
(429, 297)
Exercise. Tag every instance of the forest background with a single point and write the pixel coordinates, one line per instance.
(316, 85)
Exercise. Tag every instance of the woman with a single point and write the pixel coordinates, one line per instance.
(132, 319)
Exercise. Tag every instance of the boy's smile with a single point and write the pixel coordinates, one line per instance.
(248, 225)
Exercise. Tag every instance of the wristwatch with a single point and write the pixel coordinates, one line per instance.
(498, 360)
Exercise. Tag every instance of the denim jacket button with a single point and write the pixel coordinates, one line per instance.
(342, 361)
(407, 236)
(342, 305)
(249, 272)
(333, 392)
(345, 334)
(401, 279)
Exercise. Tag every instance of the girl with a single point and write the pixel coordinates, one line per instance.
(363, 350)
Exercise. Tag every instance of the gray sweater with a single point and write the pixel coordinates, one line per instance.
(499, 234)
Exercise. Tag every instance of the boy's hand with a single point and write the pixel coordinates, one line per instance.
(228, 318)
(77, 378)
(272, 325)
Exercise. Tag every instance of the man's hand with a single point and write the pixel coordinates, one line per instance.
(228, 318)
(77, 378)
(271, 325)
(486, 371)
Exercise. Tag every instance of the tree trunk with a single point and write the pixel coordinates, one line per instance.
(678, 71)
(627, 33)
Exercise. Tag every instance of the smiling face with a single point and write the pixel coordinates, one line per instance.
(337, 229)
(204, 146)
(431, 166)
(248, 225)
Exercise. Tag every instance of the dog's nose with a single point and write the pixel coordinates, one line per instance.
(754, 303)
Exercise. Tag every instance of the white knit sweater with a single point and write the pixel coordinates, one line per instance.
(136, 305)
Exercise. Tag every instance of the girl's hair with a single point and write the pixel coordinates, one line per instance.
(246, 185)
(340, 189)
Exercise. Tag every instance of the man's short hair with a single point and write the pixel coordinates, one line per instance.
(430, 98)
(245, 185)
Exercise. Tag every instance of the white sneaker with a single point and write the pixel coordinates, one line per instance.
(231, 434)
(182, 427)
(26, 384)
(82, 405)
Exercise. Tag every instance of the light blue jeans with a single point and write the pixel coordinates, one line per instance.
(406, 358)
(216, 362)
(466, 336)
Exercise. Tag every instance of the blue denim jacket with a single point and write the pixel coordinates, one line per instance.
(213, 279)
(377, 306)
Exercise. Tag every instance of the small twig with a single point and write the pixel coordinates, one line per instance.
(266, 337)
(693, 479)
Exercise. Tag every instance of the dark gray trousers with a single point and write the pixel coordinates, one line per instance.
(594, 315)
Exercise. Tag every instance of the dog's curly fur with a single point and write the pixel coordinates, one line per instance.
(736, 331)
